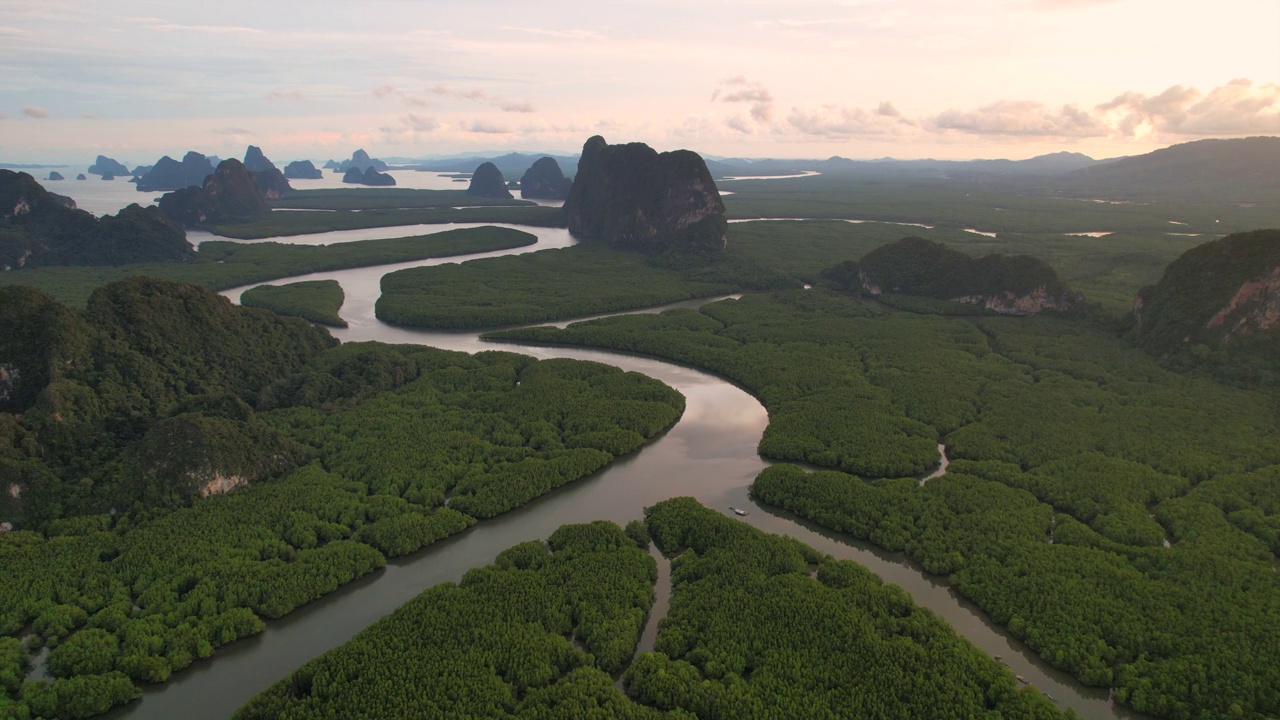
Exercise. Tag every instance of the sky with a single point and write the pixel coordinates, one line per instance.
(954, 79)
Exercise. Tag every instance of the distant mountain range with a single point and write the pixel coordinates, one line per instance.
(1234, 170)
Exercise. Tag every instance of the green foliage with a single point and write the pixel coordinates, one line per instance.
(37, 229)
(520, 638)
(488, 432)
(915, 266)
(314, 300)
(303, 223)
(1075, 458)
(223, 264)
(140, 398)
(1215, 310)
(546, 285)
(751, 634)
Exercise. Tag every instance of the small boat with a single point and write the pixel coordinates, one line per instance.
(1023, 680)
(740, 511)
(998, 657)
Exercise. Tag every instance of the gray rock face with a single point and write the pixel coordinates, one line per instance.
(487, 181)
(255, 161)
(370, 176)
(302, 170)
(632, 197)
(361, 161)
(229, 195)
(544, 181)
(55, 175)
(106, 166)
(169, 174)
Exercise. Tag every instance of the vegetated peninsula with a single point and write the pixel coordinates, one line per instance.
(634, 198)
(1218, 308)
(544, 181)
(1003, 284)
(754, 631)
(487, 181)
(39, 228)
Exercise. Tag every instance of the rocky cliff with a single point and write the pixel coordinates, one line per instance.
(1217, 307)
(55, 175)
(487, 181)
(370, 177)
(632, 197)
(169, 174)
(106, 166)
(229, 195)
(302, 170)
(544, 181)
(271, 182)
(360, 160)
(1004, 284)
(40, 228)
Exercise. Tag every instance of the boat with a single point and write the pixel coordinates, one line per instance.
(1022, 680)
(740, 511)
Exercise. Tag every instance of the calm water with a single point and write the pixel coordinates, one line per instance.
(709, 454)
(106, 197)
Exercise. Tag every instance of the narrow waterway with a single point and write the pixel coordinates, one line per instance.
(709, 454)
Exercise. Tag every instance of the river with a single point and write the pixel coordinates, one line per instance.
(709, 454)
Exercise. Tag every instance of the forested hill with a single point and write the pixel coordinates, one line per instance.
(152, 375)
(1238, 170)
(1218, 307)
(38, 227)
(1005, 284)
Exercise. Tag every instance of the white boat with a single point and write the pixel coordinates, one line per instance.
(740, 511)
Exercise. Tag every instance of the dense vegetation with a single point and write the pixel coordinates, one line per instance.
(409, 445)
(532, 635)
(314, 300)
(39, 228)
(1121, 519)
(915, 266)
(547, 285)
(142, 398)
(1216, 308)
(750, 634)
(302, 222)
(223, 264)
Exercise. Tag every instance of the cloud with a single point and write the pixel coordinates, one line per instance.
(481, 96)
(420, 123)
(233, 131)
(384, 90)
(1236, 108)
(480, 126)
(285, 96)
(89, 116)
(162, 25)
(1054, 5)
(841, 123)
(35, 112)
(740, 90)
(4, 116)
(556, 33)
(1021, 118)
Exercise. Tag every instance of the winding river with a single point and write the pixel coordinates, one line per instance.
(709, 454)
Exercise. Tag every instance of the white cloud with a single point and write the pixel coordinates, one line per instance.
(35, 112)
(1236, 108)
(759, 97)
(1021, 118)
(843, 123)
